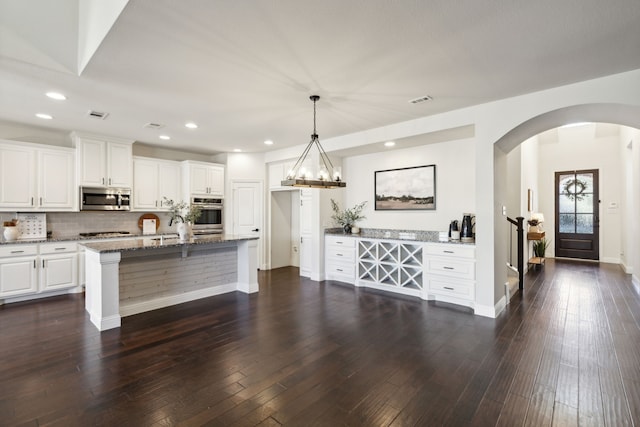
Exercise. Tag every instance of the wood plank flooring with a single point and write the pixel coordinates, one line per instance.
(301, 353)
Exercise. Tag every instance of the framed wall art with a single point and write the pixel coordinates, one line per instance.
(411, 188)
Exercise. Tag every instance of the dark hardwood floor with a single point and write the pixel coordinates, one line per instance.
(301, 353)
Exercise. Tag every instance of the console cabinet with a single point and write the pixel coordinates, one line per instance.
(451, 272)
(427, 270)
(340, 259)
(391, 265)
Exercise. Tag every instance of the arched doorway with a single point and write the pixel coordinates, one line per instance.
(610, 113)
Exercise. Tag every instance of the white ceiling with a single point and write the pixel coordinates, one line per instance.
(243, 70)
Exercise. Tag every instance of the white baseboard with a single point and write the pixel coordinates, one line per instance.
(154, 304)
(489, 311)
(635, 282)
(626, 268)
(9, 300)
(105, 323)
(610, 260)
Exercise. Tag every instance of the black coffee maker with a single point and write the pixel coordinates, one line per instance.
(453, 227)
(466, 232)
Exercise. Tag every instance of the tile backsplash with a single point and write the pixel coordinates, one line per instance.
(69, 224)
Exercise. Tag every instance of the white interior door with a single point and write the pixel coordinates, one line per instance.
(247, 211)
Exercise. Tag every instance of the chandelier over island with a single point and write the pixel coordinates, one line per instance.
(327, 176)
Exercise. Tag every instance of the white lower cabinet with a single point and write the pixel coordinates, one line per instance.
(451, 272)
(439, 271)
(30, 269)
(340, 259)
(58, 266)
(18, 270)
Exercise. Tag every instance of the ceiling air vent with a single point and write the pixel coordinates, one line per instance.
(97, 115)
(153, 126)
(421, 99)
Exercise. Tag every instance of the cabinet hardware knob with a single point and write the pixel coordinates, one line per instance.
(42, 263)
(59, 249)
(339, 255)
(102, 181)
(32, 201)
(40, 200)
(34, 263)
(109, 181)
(448, 252)
(448, 288)
(449, 268)
(339, 269)
(256, 229)
(17, 252)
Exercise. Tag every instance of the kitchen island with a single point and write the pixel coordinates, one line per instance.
(133, 276)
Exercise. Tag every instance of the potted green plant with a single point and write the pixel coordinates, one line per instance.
(348, 217)
(183, 215)
(540, 247)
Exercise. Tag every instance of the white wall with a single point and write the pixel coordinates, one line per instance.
(576, 148)
(630, 206)
(455, 189)
(514, 200)
(507, 123)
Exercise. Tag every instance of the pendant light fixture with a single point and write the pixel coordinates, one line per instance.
(327, 176)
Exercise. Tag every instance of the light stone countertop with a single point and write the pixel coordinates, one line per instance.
(158, 242)
(81, 239)
(402, 235)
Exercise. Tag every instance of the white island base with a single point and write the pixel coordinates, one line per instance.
(131, 277)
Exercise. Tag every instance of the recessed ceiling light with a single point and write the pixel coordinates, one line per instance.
(389, 144)
(237, 150)
(165, 137)
(56, 95)
(268, 142)
(44, 116)
(191, 125)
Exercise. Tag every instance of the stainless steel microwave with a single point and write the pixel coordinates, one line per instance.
(105, 199)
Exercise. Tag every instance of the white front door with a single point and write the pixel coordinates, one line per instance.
(247, 211)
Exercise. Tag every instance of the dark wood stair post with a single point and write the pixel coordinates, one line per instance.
(520, 229)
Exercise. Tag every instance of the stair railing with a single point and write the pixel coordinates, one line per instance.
(518, 223)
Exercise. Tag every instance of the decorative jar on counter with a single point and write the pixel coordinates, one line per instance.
(11, 233)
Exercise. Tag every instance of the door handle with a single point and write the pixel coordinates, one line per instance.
(256, 229)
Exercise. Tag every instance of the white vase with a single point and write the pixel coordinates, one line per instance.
(185, 230)
(11, 233)
(355, 230)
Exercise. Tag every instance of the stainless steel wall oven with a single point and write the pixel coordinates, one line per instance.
(211, 220)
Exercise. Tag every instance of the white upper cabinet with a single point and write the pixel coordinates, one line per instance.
(17, 176)
(277, 173)
(203, 179)
(56, 185)
(104, 162)
(36, 178)
(119, 165)
(153, 180)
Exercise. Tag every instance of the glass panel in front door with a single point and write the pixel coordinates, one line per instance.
(576, 203)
